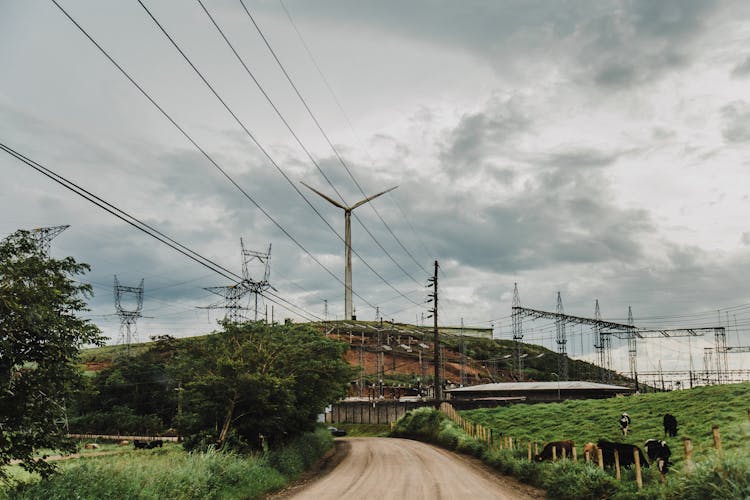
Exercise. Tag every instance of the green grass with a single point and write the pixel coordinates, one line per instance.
(717, 477)
(697, 410)
(173, 473)
(727, 477)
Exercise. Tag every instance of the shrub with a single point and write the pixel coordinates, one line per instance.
(728, 478)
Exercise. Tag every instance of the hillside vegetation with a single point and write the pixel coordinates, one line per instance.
(724, 475)
(697, 410)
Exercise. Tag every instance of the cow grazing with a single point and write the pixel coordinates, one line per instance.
(590, 448)
(625, 424)
(558, 446)
(658, 452)
(158, 443)
(624, 451)
(91, 446)
(670, 425)
(140, 445)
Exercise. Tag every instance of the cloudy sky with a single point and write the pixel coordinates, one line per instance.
(596, 148)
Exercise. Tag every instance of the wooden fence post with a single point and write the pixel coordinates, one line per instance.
(600, 458)
(575, 455)
(554, 453)
(529, 451)
(536, 448)
(688, 455)
(637, 458)
(617, 465)
(564, 453)
(717, 439)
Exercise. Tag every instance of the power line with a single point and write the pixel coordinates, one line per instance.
(328, 140)
(289, 128)
(199, 148)
(138, 224)
(348, 121)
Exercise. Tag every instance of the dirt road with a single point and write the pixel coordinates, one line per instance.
(386, 468)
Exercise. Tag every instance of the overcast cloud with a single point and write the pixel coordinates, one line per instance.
(598, 148)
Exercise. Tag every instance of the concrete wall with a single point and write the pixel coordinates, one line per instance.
(369, 412)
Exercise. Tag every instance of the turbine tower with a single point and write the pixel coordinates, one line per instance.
(347, 241)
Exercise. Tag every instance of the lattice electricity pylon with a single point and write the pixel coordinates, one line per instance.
(607, 329)
(517, 323)
(232, 296)
(44, 235)
(252, 284)
(561, 339)
(128, 317)
(632, 348)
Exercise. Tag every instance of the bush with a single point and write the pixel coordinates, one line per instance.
(301, 453)
(173, 473)
(717, 479)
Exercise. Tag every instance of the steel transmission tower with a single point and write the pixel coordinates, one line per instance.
(128, 317)
(517, 323)
(561, 339)
(232, 295)
(348, 242)
(44, 235)
(599, 339)
(254, 286)
(632, 352)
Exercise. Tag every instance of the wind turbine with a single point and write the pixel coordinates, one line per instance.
(348, 242)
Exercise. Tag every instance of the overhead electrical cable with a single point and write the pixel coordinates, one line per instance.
(202, 151)
(298, 140)
(346, 117)
(260, 146)
(138, 224)
(324, 134)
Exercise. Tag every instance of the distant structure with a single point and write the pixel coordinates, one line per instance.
(561, 339)
(45, 235)
(517, 321)
(348, 311)
(254, 285)
(128, 317)
(234, 294)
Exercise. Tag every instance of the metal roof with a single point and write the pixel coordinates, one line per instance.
(540, 386)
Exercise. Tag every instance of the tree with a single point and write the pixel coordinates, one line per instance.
(255, 379)
(40, 337)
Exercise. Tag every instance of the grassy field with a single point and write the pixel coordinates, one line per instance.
(697, 410)
(724, 475)
(171, 472)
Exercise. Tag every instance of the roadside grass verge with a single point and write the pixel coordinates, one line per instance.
(173, 473)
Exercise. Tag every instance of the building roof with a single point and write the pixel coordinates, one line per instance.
(540, 386)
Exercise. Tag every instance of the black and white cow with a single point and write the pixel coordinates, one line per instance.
(658, 452)
(625, 424)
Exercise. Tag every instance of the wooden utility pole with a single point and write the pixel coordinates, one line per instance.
(436, 337)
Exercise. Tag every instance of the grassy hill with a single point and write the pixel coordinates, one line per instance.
(697, 410)
(486, 359)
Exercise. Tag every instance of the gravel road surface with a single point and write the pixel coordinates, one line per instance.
(387, 468)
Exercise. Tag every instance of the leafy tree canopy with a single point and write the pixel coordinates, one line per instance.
(40, 337)
(254, 379)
